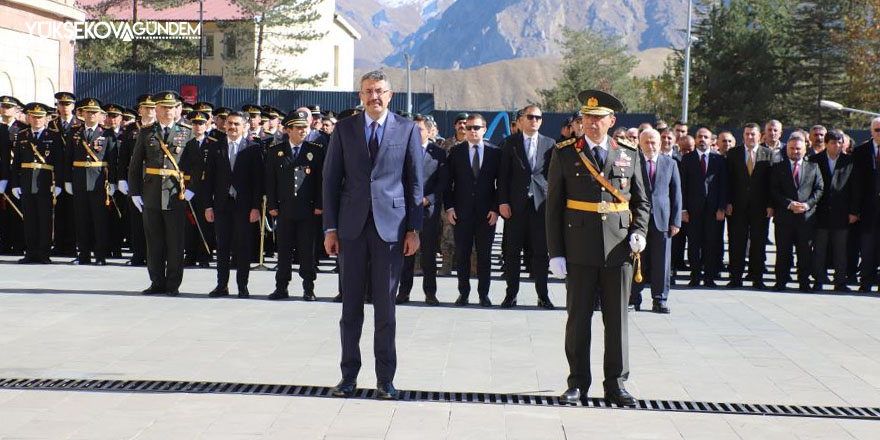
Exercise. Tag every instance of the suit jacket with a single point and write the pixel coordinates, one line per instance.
(868, 181)
(472, 197)
(102, 143)
(840, 195)
(748, 193)
(160, 192)
(703, 195)
(50, 146)
(665, 193)
(199, 171)
(517, 178)
(783, 191)
(436, 177)
(390, 188)
(293, 185)
(245, 177)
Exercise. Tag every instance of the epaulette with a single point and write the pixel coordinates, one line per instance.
(565, 143)
(212, 139)
(626, 143)
(276, 144)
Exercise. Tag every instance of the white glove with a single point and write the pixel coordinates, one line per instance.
(138, 203)
(188, 195)
(57, 190)
(123, 187)
(16, 192)
(112, 189)
(68, 188)
(557, 267)
(637, 243)
(3, 184)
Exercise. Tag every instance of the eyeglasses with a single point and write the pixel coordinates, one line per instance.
(534, 117)
(473, 127)
(877, 130)
(378, 92)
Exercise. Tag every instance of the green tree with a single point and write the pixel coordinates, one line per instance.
(661, 94)
(592, 61)
(861, 37)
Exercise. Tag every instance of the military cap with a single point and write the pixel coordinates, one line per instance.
(167, 98)
(203, 106)
(461, 117)
(329, 114)
(272, 112)
(347, 113)
(129, 115)
(187, 107)
(251, 109)
(297, 118)
(9, 101)
(264, 116)
(146, 101)
(599, 103)
(222, 111)
(112, 110)
(65, 97)
(36, 109)
(576, 115)
(89, 105)
(405, 114)
(315, 109)
(197, 116)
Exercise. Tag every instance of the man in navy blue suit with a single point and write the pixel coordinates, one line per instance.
(372, 217)
(471, 202)
(704, 202)
(663, 185)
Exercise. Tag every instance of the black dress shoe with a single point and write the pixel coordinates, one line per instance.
(431, 299)
(462, 300)
(401, 298)
(28, 260)
(46, 260)
(734, 284)
(759, 285)
(219, 291)
(101, 262)
(386, 391)
(694, 283)
(344, 389)
(174, 292)
(279, 294)
(805, 288)
(337, 298)
(660, 308)
(82, 262)
(309, 296)
(484, 301)
(709, 283)
(842, 288)
(509, 301)
(573, 396)
(204, 264)
(620, 398)
(779, 287)
(152, 290)
(243, 292)
(545, 303)
(864, 288)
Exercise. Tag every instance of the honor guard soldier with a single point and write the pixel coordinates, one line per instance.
(38, 159)
(220, 114)
(199, 233)
(11, 228)
(66, 124)
(114, 124)
(597, 218)
(254, 127)
(293, 194)
(129, 116)
(88, 178)
(159, 163)
(146, 109)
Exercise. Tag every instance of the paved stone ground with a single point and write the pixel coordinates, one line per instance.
(717, 345)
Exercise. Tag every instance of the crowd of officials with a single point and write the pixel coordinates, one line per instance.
(80, 179)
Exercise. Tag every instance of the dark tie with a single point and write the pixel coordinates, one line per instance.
(373, 145)
(796, 174)
(651, 172)
(295, 152)
(703, 161)
(165, 131)
(89, 133)
(598, 154)
(475, 165)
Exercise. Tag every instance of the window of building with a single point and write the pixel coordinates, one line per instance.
(208, 46)
(229, 49)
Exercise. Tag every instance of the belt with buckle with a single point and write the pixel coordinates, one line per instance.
(85, 164)
(600, 207)
(38, 166)
(164, 172)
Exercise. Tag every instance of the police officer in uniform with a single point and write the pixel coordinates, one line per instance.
(196, 242)
(146, 109)
(159, 162)
(293, 198)
(38, 160)
(90, 172)
(597, 218)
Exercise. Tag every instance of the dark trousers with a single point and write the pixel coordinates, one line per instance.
(836, 239)
(853, 240)
(869, 249)
(526, 226)
(300, 233)
(195, 247)
(679, 242)
(800, 237)
(234, 236)
(65, 230)
(163, 230)
(37, 209)
(118, 224)
(583, 284)
(656, 266)
(748, 228)
(92, 224)
(428, 251)
(11, 226)
(469, 234)
(138, 239)
(383, 273)
(703, 245)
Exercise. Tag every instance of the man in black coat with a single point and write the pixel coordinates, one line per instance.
(472, 205)
(235, 193)
(293, 197)
(796, 187)
(434, 168)
(199, 245)
(866, 158)
(836, 211)
(748, 173)
(522, 192)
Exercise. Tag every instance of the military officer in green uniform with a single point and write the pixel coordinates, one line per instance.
(597, 219)
(160, 163)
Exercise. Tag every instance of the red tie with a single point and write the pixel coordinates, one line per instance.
(795, 173)
(703, 162)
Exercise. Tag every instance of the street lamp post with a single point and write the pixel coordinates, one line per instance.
(408, 59)
(831, 105)
(687, 67)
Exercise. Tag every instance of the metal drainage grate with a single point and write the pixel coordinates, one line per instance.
(170, 386)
